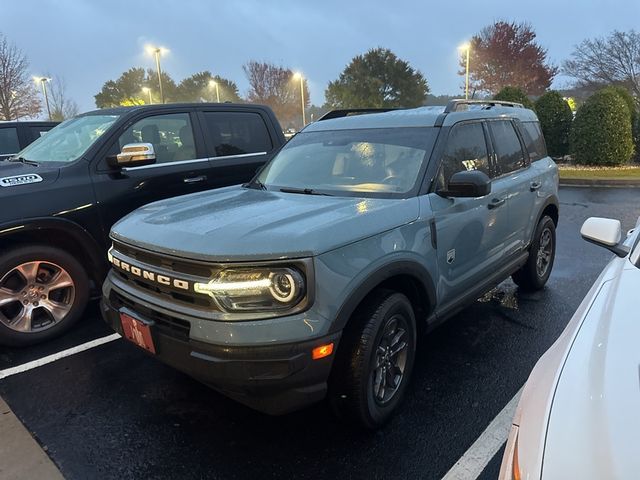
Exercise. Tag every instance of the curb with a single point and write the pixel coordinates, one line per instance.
(598, 182)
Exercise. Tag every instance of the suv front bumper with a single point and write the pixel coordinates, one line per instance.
(274, 379)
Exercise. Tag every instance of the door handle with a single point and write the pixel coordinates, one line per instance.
(495, 203)
(199, 178)
(535, 186)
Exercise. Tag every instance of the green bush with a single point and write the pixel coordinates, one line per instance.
(514, 94)
(633, 109)
(601, 133)
(555, 118)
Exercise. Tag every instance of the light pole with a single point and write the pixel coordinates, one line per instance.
(466, 47)
(43, 82)
(147, 90)
(213, 83)
(296, 76)
(157, 51)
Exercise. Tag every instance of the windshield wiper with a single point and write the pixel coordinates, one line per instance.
(305, 191)
(23, 160)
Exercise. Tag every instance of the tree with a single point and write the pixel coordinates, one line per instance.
(514, 94)
(62, 107)
(377, 79)
(278, 88)
(128, 90)
(612, 60)
(601, 133)
(555, 117)
(18, 94)
(199, 87)
(507, 54)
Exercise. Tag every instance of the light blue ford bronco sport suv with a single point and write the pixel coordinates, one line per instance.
(314, 279)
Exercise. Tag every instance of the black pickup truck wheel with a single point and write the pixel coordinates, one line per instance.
(371, 376)
(43, 291)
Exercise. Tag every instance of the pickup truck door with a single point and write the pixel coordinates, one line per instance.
(238, 143)
(470, 232)
(181, 166)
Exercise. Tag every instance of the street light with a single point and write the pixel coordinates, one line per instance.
(147, 90)
(297, 76)
(467, 48)
(43, 82)
(213, 83)
(157, 51)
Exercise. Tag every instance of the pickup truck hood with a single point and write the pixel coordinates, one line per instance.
(16, 177)
(594, 426)
(239, 224)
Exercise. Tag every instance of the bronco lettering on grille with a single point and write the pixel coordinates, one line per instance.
(148, 274)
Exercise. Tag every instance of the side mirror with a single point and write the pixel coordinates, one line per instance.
(472, 183)
(605, 232)
(135, 155)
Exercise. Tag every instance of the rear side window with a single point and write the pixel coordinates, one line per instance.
(9, 141)
(237, 133)
(37, 132)
(507, 146)
(534, 141)
(466, 150)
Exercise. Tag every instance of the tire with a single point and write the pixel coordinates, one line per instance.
(43, 292)
(356, 391)
(530, 277)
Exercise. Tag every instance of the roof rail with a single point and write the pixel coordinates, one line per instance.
(352, 111)
(453, 105)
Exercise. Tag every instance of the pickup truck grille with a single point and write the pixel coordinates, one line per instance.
(166, 277)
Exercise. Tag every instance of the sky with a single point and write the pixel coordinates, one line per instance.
(87, 43)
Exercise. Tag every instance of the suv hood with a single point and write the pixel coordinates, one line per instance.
(16, 177)
(237, 224)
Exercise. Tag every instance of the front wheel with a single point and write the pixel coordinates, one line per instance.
(371, 376)
(534, 274)
(43, 291)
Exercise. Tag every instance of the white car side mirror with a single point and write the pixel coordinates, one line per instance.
(605, 232)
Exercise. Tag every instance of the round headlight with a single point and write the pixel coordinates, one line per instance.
(283, 287)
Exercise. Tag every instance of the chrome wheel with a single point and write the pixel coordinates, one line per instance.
(34, 296)
(390, 360)
(545, 252)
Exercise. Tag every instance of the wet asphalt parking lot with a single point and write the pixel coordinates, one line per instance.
(114, 412)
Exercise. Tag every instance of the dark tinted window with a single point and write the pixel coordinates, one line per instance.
(9, 141)
(235, 133)
(37, 132)
(534, 141)
(171, 136)
(466, 150)
(507, 146)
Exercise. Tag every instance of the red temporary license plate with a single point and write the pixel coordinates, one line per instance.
(137, 331)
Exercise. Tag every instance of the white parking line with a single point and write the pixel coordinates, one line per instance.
(57, 356)
(476, 458)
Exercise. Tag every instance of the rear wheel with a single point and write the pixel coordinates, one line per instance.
(43, 291)
(535, 273)
(372, 372)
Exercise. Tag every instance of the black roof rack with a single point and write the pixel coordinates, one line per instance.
(353, 111)
(453, 105)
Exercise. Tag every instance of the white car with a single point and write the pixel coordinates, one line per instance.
(579, 413)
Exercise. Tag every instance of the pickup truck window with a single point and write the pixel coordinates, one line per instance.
(236, 133)
(9, 141)
(507, 146)
(170, 134)
(69, 140)
(466, 150)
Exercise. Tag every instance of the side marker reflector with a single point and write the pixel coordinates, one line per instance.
(322, 351)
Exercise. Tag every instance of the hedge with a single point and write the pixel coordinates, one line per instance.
(555, 117)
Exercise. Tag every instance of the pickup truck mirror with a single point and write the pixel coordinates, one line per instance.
(605, 232)
(472, 183)
(135, 155)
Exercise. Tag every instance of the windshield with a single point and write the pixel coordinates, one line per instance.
(69, 140)
(366, 162)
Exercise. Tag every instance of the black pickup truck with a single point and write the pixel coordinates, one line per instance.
(61, 194)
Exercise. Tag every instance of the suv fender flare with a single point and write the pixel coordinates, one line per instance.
(90, 248)
(371, 280)
(550, 200)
